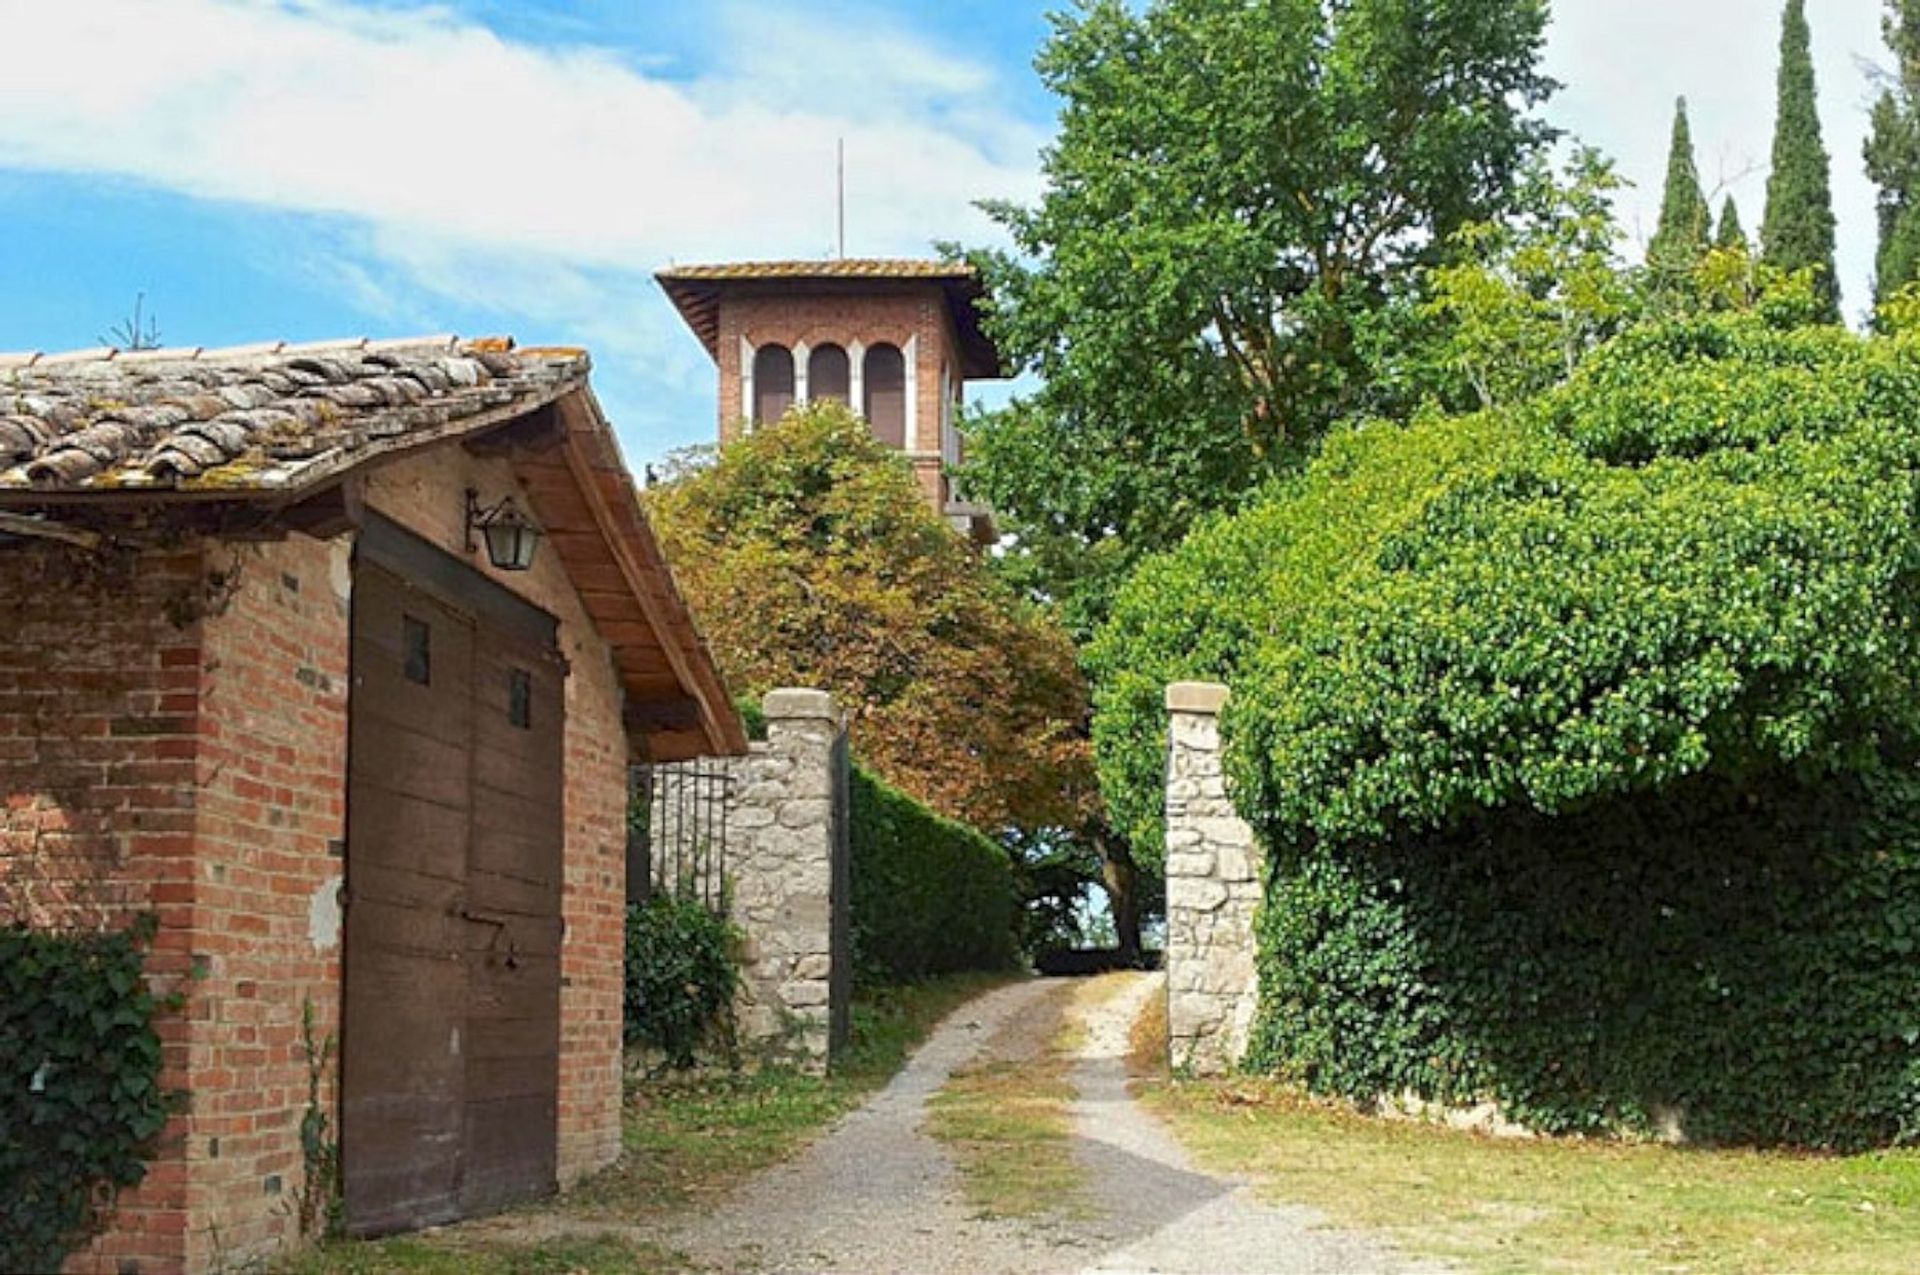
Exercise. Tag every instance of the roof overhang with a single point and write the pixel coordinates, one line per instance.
(564, 454)
(697, 292)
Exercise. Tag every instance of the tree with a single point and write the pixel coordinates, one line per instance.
(1893, 153)
(1686, 223)
(1532, 294)
(1731, 235)
(1798, 231)
(810, 555)
(1238, 195)
(812, 559)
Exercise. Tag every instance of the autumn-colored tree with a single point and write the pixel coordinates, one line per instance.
(812, 559)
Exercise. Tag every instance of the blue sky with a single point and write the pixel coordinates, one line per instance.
(319, 168)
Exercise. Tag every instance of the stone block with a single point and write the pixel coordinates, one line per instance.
(1196, 697)
(789, 703)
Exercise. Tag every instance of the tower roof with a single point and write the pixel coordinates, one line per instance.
(696, 291)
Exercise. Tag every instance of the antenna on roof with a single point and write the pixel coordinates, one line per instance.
(842, 168)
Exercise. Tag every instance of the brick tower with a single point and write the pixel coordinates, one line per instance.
(895, 340)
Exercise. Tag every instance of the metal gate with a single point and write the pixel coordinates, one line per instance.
(677, 826)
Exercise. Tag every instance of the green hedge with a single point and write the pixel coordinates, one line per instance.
(1583, 737)
(80, 1100)
(930, 896)
(682, 969)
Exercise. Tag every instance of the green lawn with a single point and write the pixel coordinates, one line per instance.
(686, 1141)
(1556, 1205)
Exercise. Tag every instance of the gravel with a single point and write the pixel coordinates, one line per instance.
(876, 1195)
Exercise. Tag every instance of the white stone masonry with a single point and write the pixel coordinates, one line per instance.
(780, 864)
(1213, 891)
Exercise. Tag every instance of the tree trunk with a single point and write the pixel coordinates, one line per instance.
(1121, 877)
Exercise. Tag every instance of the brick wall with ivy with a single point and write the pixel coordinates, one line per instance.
(98, 693)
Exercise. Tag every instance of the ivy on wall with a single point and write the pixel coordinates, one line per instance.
(1585, 740)
(81, 1104)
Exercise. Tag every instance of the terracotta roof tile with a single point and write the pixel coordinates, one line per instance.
(255, 417)
(844, 268)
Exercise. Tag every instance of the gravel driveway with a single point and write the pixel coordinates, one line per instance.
(877, 1196)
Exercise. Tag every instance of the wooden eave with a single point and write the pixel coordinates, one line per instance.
(586, 501)
(698, 299)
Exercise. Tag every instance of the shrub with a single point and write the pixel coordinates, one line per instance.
(929, 896)
(682, 972)
(81, 1105)
(1582, 736)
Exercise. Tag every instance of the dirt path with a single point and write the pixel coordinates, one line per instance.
(877, 1195)
(1164, 1214)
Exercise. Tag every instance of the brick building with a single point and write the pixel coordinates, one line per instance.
(895, 340)
(279, 668)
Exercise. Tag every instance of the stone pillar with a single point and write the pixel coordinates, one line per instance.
(1213, 891)
(781, 867)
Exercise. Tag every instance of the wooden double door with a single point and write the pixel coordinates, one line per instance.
(451, 1031)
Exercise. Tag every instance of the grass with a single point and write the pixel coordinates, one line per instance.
(1502, 1206)
(686, 1141)
(1009, 1120)
(443, 1255)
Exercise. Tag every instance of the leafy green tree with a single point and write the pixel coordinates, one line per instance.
(811, 556)
(1238, 194)
(1731, 234)
(812, 559)
(1798, 231)
(1528, 296)
(1893, 153)
(1686, 224)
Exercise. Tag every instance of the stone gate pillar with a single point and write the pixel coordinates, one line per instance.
(1213, 890)
(782, 870)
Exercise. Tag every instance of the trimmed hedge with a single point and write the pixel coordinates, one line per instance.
(81, 1105)
(929, 895)
(1584, 739)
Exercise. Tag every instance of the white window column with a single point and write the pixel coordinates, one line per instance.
(857, 379)
(746, 383)
(800, 375)
(912, 353)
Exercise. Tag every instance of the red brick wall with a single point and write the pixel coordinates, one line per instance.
(171, 744)
(842, 318)
(271, 827)
(172, 737)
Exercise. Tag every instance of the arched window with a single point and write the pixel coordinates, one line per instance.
(772, 383)
(828, 374)
(885, 375)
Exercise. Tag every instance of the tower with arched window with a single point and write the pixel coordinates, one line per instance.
(895, 340)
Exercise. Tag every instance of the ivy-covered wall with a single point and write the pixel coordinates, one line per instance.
(1582, 741)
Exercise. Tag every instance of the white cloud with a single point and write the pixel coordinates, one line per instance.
(542, 183)
(417, 119)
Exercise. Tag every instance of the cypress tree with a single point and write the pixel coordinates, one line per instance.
(1731, 233)
(1893, 153)
(1798, 230)
(1685, 221)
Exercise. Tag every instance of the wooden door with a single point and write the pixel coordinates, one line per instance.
(450, 1035)
(513, 937)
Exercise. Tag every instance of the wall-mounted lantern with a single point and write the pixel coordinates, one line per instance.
(511, 536)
